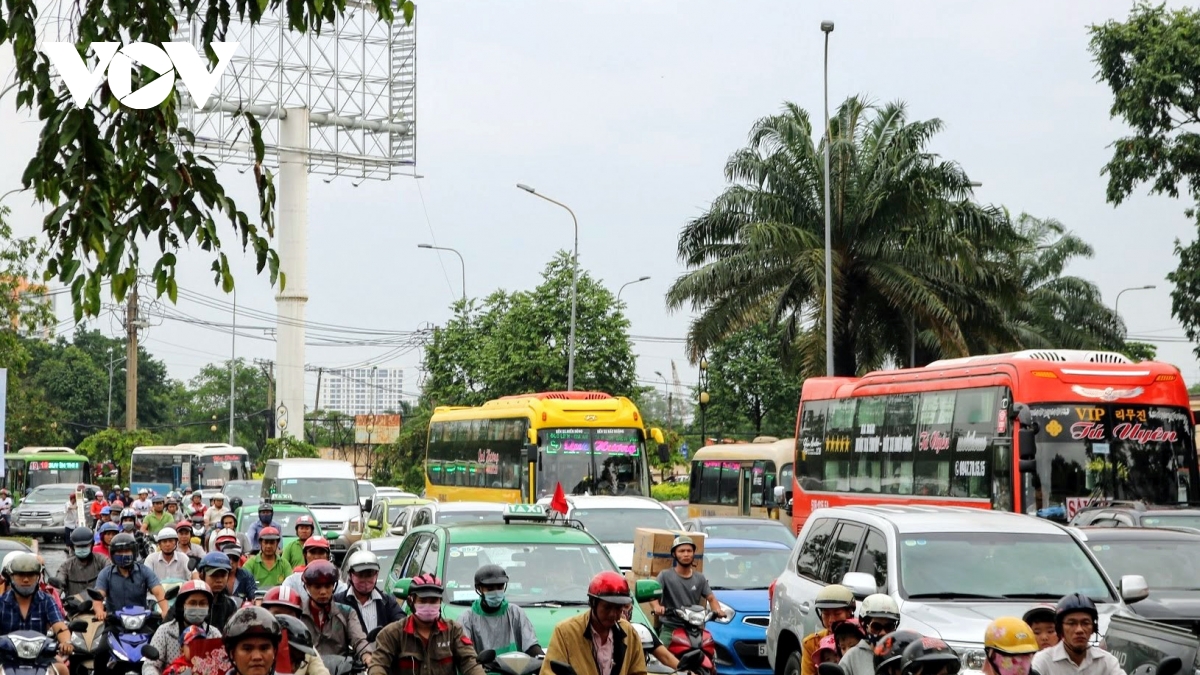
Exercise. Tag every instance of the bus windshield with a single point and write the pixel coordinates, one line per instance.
(597, 461)
(1120, 451)
(50, 472)
(162, 469)
(217, 470)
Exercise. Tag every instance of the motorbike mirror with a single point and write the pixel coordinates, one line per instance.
(78, 626)
(690, 661)
(830, 669)
(95, 594)
(151, 654)
(560, 668)
(56, 582)
(374, 634)
(172, 592)
(1170, 666)
(485, 656)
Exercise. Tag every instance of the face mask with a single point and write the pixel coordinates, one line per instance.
(493, 598)
(364, 586)
(123, 559)
(26, 591)
(1017, 664)
(264, 518)
(194, 616)
(428, 613)
(82, 552)
(128, 526)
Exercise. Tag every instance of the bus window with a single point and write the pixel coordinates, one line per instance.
(710, 483)
(839, 430)
(899, 440)
(812, 444)
(974, 430)
(931, 468)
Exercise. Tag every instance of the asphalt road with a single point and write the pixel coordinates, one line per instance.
(54, 555)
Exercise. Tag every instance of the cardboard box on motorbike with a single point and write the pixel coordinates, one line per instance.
(652, 550)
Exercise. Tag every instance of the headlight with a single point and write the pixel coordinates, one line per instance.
(727, 610)
(972, 656)
(133, 622)
(27, 648)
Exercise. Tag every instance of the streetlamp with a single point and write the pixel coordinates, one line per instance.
(574, 285)
(827, 28)
(703, 398)
(111, 363)
(460, 262)
(666, 396)
(635, 281)
(1117, 304)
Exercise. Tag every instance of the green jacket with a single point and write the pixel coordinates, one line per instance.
(293, 554)
(267, 578)
(155, 522)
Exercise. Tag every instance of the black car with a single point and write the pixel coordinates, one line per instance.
(1137, 514)
(1166, 558)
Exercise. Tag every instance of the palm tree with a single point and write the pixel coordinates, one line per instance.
(912, 254)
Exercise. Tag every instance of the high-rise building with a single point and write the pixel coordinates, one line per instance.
(362, 391)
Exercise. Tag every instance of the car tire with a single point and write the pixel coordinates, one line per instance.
(792, 667)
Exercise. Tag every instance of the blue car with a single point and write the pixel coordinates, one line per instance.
(739, 572)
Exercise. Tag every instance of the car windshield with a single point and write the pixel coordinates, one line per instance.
(538, 573)
(1171, 521)
(758, 531)
(615, 526)
(1174, 565)
(470, 517)
(285, 520)
(743, 568)
(246, 491)
(320, 491)
(54, 495)
(994, 565)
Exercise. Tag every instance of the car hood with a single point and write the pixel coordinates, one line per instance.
(622, 554)
(746, 602)
(342, 513)
(965, 622)
(1165, 605)
(51, 507)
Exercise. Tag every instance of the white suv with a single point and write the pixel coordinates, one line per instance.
(951, 570)
(613, 520)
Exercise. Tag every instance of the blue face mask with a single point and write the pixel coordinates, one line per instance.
(82, 552)
(493, 598)
(123, 559)
(264, 518)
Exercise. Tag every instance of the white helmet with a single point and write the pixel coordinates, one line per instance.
(219, 495)
(166, 533)
(362, 560)
(6, 567)
(879, 605)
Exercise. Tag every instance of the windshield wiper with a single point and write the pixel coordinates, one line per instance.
(952, 595)
(556, 603)
(326, 504)
(1033, 596)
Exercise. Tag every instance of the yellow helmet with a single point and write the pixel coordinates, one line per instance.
(1010, 635)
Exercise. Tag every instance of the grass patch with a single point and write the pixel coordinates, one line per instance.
(28, 541)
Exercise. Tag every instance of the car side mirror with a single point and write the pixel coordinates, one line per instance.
(373, 524)
(1169, 666)
(664, 454)
(1134, 588)
(368, 504)
(646, 590)
(860, 584)
(779, 493)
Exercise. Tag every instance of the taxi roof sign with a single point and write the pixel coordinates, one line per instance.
(525, 512)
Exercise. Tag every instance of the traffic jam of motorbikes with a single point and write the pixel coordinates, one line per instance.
(169, 584)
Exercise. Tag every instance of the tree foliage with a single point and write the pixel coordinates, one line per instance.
(516, 342)
(277, 448)
(402, 463)
(114, 178)
(116, 446)
(207, 405)
(749, 388)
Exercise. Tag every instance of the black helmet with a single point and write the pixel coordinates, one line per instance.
(122, 541)
(251, 622)
(890, 648)
(82, 536)
(490, 575)
(929, 653)
(1074, 603)
(266, 506)
(298, 636)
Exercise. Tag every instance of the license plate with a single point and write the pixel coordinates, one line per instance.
(762, 649)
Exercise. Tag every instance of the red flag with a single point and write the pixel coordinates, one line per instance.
(559, 502)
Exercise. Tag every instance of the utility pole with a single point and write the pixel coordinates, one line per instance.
(131, 357)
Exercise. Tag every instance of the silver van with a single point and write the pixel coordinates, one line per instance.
(950, 569)
(328, 487)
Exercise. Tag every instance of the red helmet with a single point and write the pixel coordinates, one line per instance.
(193, 587)
(268, 534)
(425, 586)
(316, 542)
(320, 573)
(282, 596)
(306, 520)
(610, 587)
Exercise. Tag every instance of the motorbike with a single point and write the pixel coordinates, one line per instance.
(511, 663)
(85, 628)
(128, 631)
(342, 664)
(691, 639)
(28, 652)
(646, 637)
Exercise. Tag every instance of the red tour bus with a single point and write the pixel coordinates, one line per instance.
(1040, 432)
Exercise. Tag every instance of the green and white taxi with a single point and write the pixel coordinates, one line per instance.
(549, 565)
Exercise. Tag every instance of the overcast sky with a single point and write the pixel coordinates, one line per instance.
(627, 110)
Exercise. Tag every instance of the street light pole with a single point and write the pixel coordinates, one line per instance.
(666, 395)
(111, 363)
(574, 285)
(827, 28)
(232, 367)
(461, 262)
(703, 398)
(1117, 304)
(622, 288)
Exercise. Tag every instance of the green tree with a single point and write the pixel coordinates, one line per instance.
(749, 388)
(208, 396)
(116, 446)
(287, 446)
(77, 387)
(112, 177)
(402, 463)
(517, 342)
(911, 251)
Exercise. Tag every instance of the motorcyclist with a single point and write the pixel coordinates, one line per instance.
(95, 507)
(193, 604)
(70, 517)
(598, 642)
(834, 604)
(79, 571)
(126, 582)
(929, 656)
(316, 548)
(492, 622)
(304, 659)
(1041, 619)
(283, 600)
(1008, 645)
(25, 607)
(252, 639)
(426, 641)
(878, 616)
(158, 518)
(682, 586)
(142, 504)
(106, 534)
(167, 562)
(214, 570)
(266, 566)
(129, 524)
(333, 625)
(266, 518)
(6, 504)
(115, 493)
(196, 505)
(172, 508)
(212, 515)
(1076, 621)
(889, 650)
(293, 553)
(243, 587)
(373, 608)
(184, 528)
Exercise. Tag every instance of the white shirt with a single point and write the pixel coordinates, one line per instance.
(1054, 661)
(212, 517)
(6, 505)
(176, 569)
(140, 506)
(369, 612)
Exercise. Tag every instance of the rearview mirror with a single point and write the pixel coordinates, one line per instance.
(1169, 666)
(657, 435)
(531, 453)
(150, 653)
(664, 454)
(646, 590)
(373, 524)
(778, 493)
(1134, 588)
(400, 589)
(860, 584)
(368, 504)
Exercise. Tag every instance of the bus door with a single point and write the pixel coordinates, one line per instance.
(746, 489)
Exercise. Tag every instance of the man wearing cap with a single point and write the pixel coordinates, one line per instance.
(266, 566)
(158, 518)
(167, 562)
(242, 587)
(494, 623)
(266, 518)
(141, 505)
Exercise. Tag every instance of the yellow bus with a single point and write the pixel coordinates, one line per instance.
(739, 479)
(517, 448)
